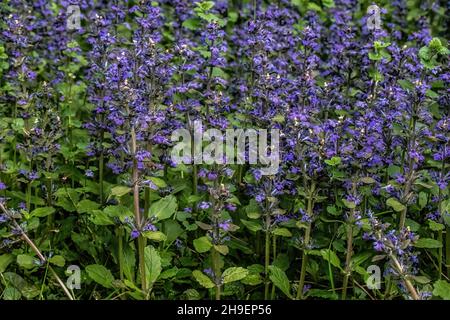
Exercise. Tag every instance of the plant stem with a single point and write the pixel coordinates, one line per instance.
(348, 259)
(267, 258)
(101, 164)
(408, 283)
(447, 250)
(39, 254)
(440, 254)
(402, 221)
(49, 201)
(309, 210)
(194, 178)
(120, 251)
(29, 196)
(274, 255)
(137, 212)
(301, 283)
(215, 257)
(141, 253)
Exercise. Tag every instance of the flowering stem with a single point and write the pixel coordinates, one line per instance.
(348, 259)
(267, 252)
(29, 196)
(301, 283)
(410, 177)
(447, 250)
(101, 163)
(216, 269)
(440, 254)
(267, 260)
(194, 178)
(274, 255)
(48, 184)
(239, 175)
(141, 252)
(137, 213)
(309, 209)
(408, 283)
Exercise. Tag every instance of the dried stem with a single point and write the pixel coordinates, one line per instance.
(39, 254)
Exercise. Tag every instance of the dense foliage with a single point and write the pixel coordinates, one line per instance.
(87, 182)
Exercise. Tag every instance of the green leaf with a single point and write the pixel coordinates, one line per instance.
(155, 235)
(119, 191)
(100, 274)
(428, 243)
(252, 279)
(282, 261)
(282, 232)
(325, 294)
(172, 230)
(328, 3)
(331, 257)
(442, 289)
(393, 170)
(11, 293)
(160, 183)
(421, 279)
(129, 259)
(232, 16)
(203, 279)
(192, 294)
(42, 212)
(191, 24)
(57, 260)
(12, 279)
(367, 180)
(5, 260)
(395, 204)
(313, 6)
(100, 218)
(25, 261)
(252, 210)
(205, 5)
(202, 244)
(375, 56)
(280, 280)
(446, 217)
(117, 211)
(223, 249)
(406, 84)
(251, 225)
(349, 204)
(423, 198)
(436, 226)
(164, 208)
(413, 226)
(234, 274)
(170, 273)
(152, 265)
(333, 210)
(278, 118)
(86, 205)
(334, 161)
